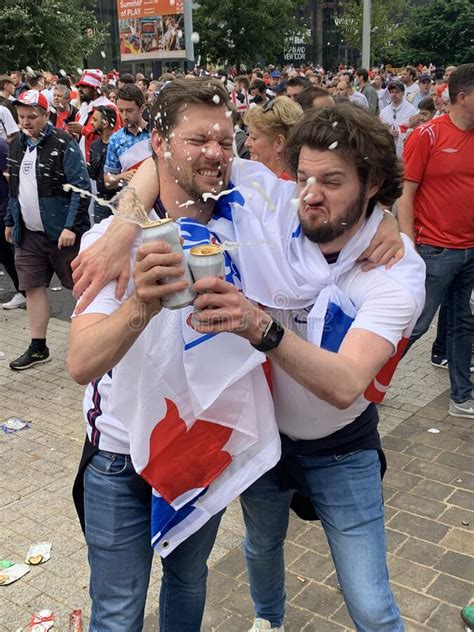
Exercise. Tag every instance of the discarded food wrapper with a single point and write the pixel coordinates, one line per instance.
(2, 355)
(12, 573)
(6, 563)
(75, 621)
(434, 430)
(38, 553)
(41, 621)
(13, 424)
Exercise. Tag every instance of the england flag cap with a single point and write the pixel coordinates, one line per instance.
(32, 98)
(91, 77)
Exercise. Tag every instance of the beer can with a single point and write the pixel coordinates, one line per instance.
(168, 231)
(206, 261)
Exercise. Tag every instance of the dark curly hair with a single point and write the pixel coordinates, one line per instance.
(362, 139)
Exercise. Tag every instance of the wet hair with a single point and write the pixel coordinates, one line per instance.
(108, 113)
(461, 80)
(131, 92)
(362, 140)
(275, 119)
(306, 98)
(179, 93)
(427, 103)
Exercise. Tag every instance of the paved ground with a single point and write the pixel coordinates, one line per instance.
(427, 489)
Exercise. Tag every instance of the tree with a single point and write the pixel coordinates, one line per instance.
(240, 33)
(388, 28)
(442, 33)
(47, 34)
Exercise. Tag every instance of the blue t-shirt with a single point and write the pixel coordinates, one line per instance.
(127, 151)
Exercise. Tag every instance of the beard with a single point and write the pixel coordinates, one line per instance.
(332, 229)
(187, 180)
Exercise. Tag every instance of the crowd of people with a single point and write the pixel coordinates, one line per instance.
(317, 164)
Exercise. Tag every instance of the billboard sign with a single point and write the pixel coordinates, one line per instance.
(297, 49)
(154, 29)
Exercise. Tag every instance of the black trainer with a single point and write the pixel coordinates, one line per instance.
(30, 358)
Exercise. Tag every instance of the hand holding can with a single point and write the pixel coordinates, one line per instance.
(206, 261)
(163, 266)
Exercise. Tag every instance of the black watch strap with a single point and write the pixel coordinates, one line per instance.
(271, 337)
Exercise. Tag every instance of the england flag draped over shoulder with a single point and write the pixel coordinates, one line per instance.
(199, 412)
(290, 272)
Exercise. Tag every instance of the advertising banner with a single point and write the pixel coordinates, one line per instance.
(152, 29)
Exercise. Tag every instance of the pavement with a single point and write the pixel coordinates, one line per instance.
(428, 498)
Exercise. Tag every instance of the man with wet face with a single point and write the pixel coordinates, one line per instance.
(43, 220)
(192, 144)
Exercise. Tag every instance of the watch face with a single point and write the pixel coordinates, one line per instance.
(271, 338)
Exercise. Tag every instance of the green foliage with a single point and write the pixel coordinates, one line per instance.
(442, 32)
(47, 34)
(243, 32)
(389, 24)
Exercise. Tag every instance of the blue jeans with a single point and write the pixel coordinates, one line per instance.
(120, 555)
(450, 274)
(346, 492)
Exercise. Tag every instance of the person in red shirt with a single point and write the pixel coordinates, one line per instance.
(63, 112)
(90, 92)
(436, 211)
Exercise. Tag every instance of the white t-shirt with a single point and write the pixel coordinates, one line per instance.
(384, 307)
(103, 429)
(28, 191)
(7, 123)
(396, 116)
(411, 92)
(359, 99)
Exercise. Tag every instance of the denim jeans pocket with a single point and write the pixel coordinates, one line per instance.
(341, 457)
(109, 464)
(435, 252)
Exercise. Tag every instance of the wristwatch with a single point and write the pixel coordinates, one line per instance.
(271, 337)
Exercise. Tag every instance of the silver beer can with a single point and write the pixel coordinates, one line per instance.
(206, 261)
(168, 231)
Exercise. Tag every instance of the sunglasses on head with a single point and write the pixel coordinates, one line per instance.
(266, 107)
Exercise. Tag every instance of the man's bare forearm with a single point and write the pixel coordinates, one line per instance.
(98, 347)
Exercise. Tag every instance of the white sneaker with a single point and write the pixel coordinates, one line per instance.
(466, 409)
(263, 624)
(17, 301)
